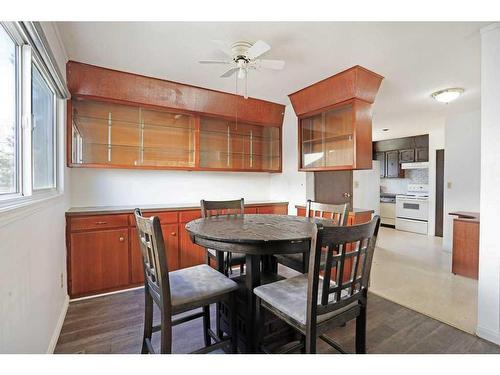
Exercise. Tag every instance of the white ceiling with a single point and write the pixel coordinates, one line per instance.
(415, 59)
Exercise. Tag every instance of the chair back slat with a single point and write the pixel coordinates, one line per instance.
(336, 212)
(217, 208)
(154, 259)
(331, 248)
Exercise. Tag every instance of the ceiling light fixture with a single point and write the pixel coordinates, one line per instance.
(447, 95)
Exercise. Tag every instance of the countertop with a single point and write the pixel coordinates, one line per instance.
(466, 216)
(75, 211)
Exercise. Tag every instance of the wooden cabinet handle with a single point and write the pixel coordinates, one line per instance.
(173, 234)
(122, 239)
(101, 222)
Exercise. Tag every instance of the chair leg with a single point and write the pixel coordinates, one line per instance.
(234, 328)
(311, 338)
(259, 324)
(166, 334)
(218, 312)
(206, 325)
(242, 268)
(361, 331)
(148, 320)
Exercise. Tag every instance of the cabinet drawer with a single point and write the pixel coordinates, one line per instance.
(166, 217)
(98, 222)
(186, 216)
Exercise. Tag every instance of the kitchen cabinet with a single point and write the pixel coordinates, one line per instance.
(380, 156)
(103, 251)
(335, 124)
(121, 120)
(392, 166)
(99, 261)
(407, 156)
(465, 258)
(421, 154)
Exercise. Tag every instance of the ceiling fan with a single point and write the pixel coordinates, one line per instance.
(244, 56)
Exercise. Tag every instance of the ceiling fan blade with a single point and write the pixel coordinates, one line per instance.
(230, 72)
(258, 48)
(214, 62)
(224, 47)
(271, 64)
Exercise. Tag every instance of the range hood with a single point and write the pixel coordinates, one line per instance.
(416, 165)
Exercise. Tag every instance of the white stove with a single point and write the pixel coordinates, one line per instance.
(412, 209)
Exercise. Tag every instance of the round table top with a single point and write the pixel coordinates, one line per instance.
(254, 229)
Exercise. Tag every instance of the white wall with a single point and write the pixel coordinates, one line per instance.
(32, 259)
(291, 184)
(366, 188)
(103, 187)
(462, 168)
(488, 319)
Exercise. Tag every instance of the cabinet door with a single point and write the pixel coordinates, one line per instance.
(277, 210)
(190, 254)
(407, 156)
(392, 164)
(380, 156)
(99, 261)
(422, 154)
(171, 238)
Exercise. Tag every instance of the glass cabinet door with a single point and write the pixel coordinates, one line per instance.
(239, 146)
(327, 139)
(120, 135)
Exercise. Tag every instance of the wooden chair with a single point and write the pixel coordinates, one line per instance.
(336, 212)
(179, 291)
(216, 208)
(319, 300)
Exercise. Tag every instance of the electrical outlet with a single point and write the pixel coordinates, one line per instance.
(62, 280)
(448, 184)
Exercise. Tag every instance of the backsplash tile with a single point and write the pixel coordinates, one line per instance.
(400, 185)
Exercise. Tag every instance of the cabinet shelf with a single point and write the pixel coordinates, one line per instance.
(130, 124)
(341, 137)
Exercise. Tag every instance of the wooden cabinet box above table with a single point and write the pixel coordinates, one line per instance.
(103, 252)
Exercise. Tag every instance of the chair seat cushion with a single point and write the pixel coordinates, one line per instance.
(290, 298)
(236, 258)
(195, 286)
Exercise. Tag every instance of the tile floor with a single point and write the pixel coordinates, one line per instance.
(413, 270)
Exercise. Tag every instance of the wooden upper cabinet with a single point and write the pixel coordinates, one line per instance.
(335, 125)
(123, 120)
(239, 146)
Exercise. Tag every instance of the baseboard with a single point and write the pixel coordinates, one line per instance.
(106, 294)
(57, 330)
(488, 334)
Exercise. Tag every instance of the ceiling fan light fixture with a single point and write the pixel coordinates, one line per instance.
(447, 95)
(242, 73)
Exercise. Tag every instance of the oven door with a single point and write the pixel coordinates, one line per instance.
(412, 208)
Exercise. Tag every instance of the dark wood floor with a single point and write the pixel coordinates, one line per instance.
(113, 324)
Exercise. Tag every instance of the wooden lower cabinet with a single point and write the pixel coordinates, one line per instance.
(104, 252)
(99, 261)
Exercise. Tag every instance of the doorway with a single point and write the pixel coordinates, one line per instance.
(439, 193)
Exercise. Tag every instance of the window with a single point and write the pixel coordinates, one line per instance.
(9, 176)
(43, 131)
(31, 89)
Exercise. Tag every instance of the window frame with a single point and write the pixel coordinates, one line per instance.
(26, 55)
(6, 197)
(36, 62)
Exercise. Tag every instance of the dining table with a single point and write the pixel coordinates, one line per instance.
(258, 237)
